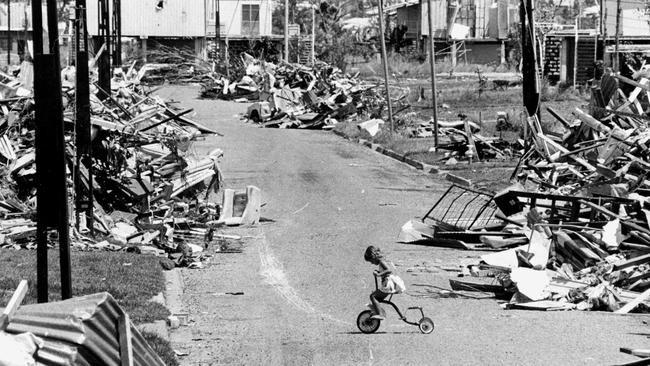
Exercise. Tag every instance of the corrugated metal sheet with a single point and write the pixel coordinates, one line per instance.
(21, 17)
(439, 18)
(80, 331)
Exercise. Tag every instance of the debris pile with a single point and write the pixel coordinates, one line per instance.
(462, 138)
(174, 65)
(150, 188)
(573, 232)
(297, 96)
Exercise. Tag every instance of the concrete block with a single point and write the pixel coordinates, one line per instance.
(458, 180)
(431, 169)
(173, 322)
(412, 162)
(393, 154)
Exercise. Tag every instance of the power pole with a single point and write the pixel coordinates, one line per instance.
(384, 61)
(286, 31)
(8, 33)
(104, 62)
(52, 192)
(84, 195)
(217, 31)
(432, 61)
(618, 30)
(117, 33)
(313, 34)
(529, 72)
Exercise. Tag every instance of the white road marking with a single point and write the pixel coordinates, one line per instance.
(273, 273)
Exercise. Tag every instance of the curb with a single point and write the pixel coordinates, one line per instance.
(458, 180)
(427, 168)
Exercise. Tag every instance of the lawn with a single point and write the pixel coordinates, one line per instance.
(132, 279)
(460, 94)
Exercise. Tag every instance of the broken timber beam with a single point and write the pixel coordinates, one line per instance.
(632, 262)
(175, 116)
(13, 304)
(632, 82)
(557, 116)
(632, 304)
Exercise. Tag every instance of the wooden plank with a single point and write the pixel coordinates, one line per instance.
(13, 304)
(557, 116)
(632, 82)
(639, 352)
(632, 262)
(592, 122)
(125, 336)
(632, 304)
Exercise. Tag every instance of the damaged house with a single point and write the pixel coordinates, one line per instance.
(191, 23)
(471, 31)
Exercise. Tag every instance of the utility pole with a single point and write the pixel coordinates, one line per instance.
(432, 62)
(286, 31)
(217, 31)
(8, 33)
(529, 59)
(384, 61)
(575, 53)
(84, 195)
(104, 62)
(52, 192)
(117, 33)
(313, 34)
(618, 30)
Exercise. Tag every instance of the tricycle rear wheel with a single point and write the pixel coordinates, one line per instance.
(366, 324)
(426, 325)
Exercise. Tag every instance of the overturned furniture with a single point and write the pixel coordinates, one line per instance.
(457, 220)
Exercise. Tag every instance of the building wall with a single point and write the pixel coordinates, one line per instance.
(552, 58)
(142, 18)
(410, 17)
(186, 18)
(230, 14)
(479, 15)
(481, 52)
(439, 18)
(633, 21)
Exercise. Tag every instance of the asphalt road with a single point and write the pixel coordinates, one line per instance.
(304, 278)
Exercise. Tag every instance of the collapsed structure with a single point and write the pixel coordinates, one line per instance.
(296, 96)
(573, 232)
(150, 188)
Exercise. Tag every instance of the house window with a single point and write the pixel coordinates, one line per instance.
(250, 23)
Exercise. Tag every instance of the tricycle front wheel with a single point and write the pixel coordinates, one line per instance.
(366, 324)
(426, 325)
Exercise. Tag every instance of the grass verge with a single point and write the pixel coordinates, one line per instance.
(132, 279)
(162, 348)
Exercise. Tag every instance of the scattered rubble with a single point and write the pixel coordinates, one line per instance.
(85, 330)
(573, 231)
(297, 96)
(150, 188)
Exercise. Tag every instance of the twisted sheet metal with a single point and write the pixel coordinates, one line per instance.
(80, 331)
